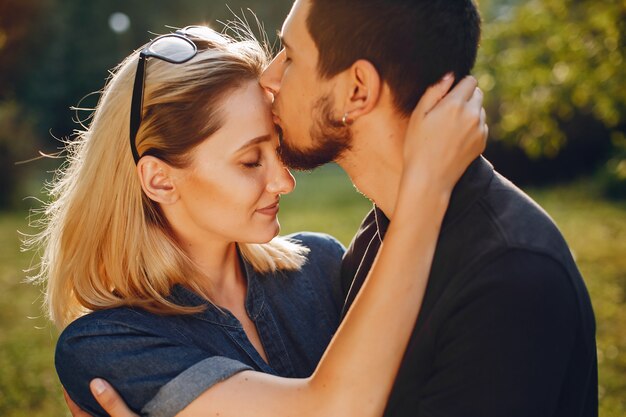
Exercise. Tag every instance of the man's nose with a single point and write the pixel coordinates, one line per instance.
(271, 77)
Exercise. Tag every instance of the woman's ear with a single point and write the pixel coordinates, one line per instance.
(364, 89)
(156, 180)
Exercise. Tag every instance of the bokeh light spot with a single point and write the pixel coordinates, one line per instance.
(486, 82)
(119, 22)
(560, 72)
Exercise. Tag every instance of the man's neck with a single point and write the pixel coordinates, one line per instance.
(375, 162)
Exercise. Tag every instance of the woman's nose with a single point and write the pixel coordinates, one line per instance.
(282, 182)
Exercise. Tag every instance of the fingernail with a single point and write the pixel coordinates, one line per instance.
(99, 386)
(447, 76)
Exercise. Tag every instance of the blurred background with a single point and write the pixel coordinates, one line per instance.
(555, 84)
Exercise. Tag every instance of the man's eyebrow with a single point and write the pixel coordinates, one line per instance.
(255, 141)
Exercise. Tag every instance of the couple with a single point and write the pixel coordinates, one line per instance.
(159, 270)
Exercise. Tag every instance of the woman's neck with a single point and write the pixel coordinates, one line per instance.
(219, 270)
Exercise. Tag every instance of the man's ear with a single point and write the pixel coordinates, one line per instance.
(156, 180)
(364, 89)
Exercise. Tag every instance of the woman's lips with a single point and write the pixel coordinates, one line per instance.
(270, 210)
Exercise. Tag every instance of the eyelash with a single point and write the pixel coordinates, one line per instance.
(252, 164)
(255, 163)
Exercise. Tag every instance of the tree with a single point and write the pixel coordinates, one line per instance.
(547, 63)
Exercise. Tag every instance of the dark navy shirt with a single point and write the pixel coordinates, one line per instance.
(506, 328)
(160, 364)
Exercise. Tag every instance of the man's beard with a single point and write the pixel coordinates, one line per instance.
(330, 137)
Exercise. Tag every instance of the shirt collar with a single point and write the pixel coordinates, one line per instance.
(255, 299)
(467, 191)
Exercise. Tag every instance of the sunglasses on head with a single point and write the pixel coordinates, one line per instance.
(175, 48)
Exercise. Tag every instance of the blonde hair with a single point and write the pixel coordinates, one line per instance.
(104, 242)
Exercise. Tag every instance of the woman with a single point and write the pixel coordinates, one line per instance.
(168, 269)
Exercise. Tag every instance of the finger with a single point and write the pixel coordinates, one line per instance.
(74, 409)
(109, 399)
(476, 101)
(464, 90)
(434, 94)
(484, 128)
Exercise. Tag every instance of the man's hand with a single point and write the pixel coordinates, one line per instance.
(106, 396)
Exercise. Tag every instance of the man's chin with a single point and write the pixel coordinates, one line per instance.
(329, 139)
(301, 160)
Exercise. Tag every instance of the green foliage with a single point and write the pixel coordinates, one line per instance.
(544, 62)
(16, 137)
(613, 177)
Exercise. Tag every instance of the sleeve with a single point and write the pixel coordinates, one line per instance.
(186, 387)
(505, 349)
(148, 369)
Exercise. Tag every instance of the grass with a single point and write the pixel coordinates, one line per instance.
(326, 201)
(28, 382)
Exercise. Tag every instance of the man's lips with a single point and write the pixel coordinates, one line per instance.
(270, 210)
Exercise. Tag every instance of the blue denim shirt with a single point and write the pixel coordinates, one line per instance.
(160, 364)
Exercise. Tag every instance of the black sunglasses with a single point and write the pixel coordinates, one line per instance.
(175, 48)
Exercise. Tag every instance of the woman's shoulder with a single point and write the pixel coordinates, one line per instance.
(109, 331)
(117, 320)
(319, 278)
(136, 350)
(321, 245)
(102, 332)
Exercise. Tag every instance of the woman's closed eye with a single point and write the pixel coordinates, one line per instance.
(252, 160)
(255, 159)
(252, 164)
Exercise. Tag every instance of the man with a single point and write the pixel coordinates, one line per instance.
(506, 327)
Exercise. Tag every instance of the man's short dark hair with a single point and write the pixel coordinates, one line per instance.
(412, 43)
